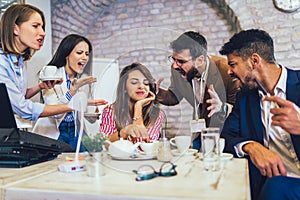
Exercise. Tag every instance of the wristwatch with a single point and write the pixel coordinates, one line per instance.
(224, 108)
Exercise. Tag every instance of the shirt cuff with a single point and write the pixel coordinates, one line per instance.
(239, 148)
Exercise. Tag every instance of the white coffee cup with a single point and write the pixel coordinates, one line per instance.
(222, 144)
(182, 142)
(49, 71)
(149, 147)
(91, 109)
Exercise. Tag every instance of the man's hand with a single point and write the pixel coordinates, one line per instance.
(269, 163)
(215, 101)
(286, 115)
(158, 84)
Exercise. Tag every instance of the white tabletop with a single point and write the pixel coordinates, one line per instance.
(44, 181)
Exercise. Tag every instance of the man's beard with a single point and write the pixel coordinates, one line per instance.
(181, 71)
(250, 82)
(191, 74)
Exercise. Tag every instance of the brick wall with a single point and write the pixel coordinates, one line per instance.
(141, 30)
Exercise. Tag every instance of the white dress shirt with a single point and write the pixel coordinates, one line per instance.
(275, 138)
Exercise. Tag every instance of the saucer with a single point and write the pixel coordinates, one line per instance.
(223, 157)
(190, 152)
(51, 78)
(136, 157)
(226, 156)
(92, 114)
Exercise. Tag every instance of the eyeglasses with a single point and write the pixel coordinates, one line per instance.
(179, 62)
(146, 172)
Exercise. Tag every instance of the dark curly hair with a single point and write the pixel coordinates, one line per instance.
(247, 42)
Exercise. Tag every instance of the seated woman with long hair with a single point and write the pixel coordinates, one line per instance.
(134, 115)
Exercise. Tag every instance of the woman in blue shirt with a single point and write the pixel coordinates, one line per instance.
(22, 33)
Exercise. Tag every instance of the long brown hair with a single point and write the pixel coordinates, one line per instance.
(122, 115)
(16, 14)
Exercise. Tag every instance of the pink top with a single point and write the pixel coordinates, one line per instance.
(108, 125)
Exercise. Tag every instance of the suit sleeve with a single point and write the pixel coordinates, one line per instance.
(172, 96)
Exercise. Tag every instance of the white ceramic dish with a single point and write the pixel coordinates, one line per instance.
(190, 152)
(224, 156)
(92, 114)
(136, 157)
(51, 78)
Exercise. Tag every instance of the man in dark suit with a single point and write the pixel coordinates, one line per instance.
(191, 65)
(263, 123)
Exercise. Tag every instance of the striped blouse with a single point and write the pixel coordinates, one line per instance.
(108, 125)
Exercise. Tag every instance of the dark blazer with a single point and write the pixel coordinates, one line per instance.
(223, 84)
(244, 123)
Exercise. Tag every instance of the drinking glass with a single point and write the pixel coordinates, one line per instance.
(164, 150)
(210, 148)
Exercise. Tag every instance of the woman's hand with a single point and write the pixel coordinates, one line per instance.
(134, 131)
(96, 102)
(49, 84)
(77, 83)
(146, 101)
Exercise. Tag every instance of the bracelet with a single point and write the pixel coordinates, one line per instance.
(136, 118)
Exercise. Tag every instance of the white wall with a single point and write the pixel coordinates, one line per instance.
(107, 73)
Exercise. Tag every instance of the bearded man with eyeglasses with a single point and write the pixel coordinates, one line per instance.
(201, 79)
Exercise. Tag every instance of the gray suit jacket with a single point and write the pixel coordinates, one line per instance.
(224, 85)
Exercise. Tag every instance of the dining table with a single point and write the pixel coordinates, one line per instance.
(44, 181)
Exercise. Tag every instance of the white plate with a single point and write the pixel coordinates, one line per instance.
(92, 114)
(136, 157)
(190, 152)
(51, 78)
(224, 156)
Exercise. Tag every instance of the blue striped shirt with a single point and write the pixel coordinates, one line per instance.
(69, 117)
(14, 74)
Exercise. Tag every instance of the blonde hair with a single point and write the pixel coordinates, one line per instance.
(16, 14)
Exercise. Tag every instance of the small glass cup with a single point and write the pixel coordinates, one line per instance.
(211, 149)
(164, 150)
(95, 164)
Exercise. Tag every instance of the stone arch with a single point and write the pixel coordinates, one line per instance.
(227, 13)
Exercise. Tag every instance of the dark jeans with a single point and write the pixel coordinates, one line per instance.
(197, 143)
(281, 187)
(67, 135)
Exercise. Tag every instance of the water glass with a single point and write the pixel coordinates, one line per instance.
(211, 148)
(164, 150)
(95, 164)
